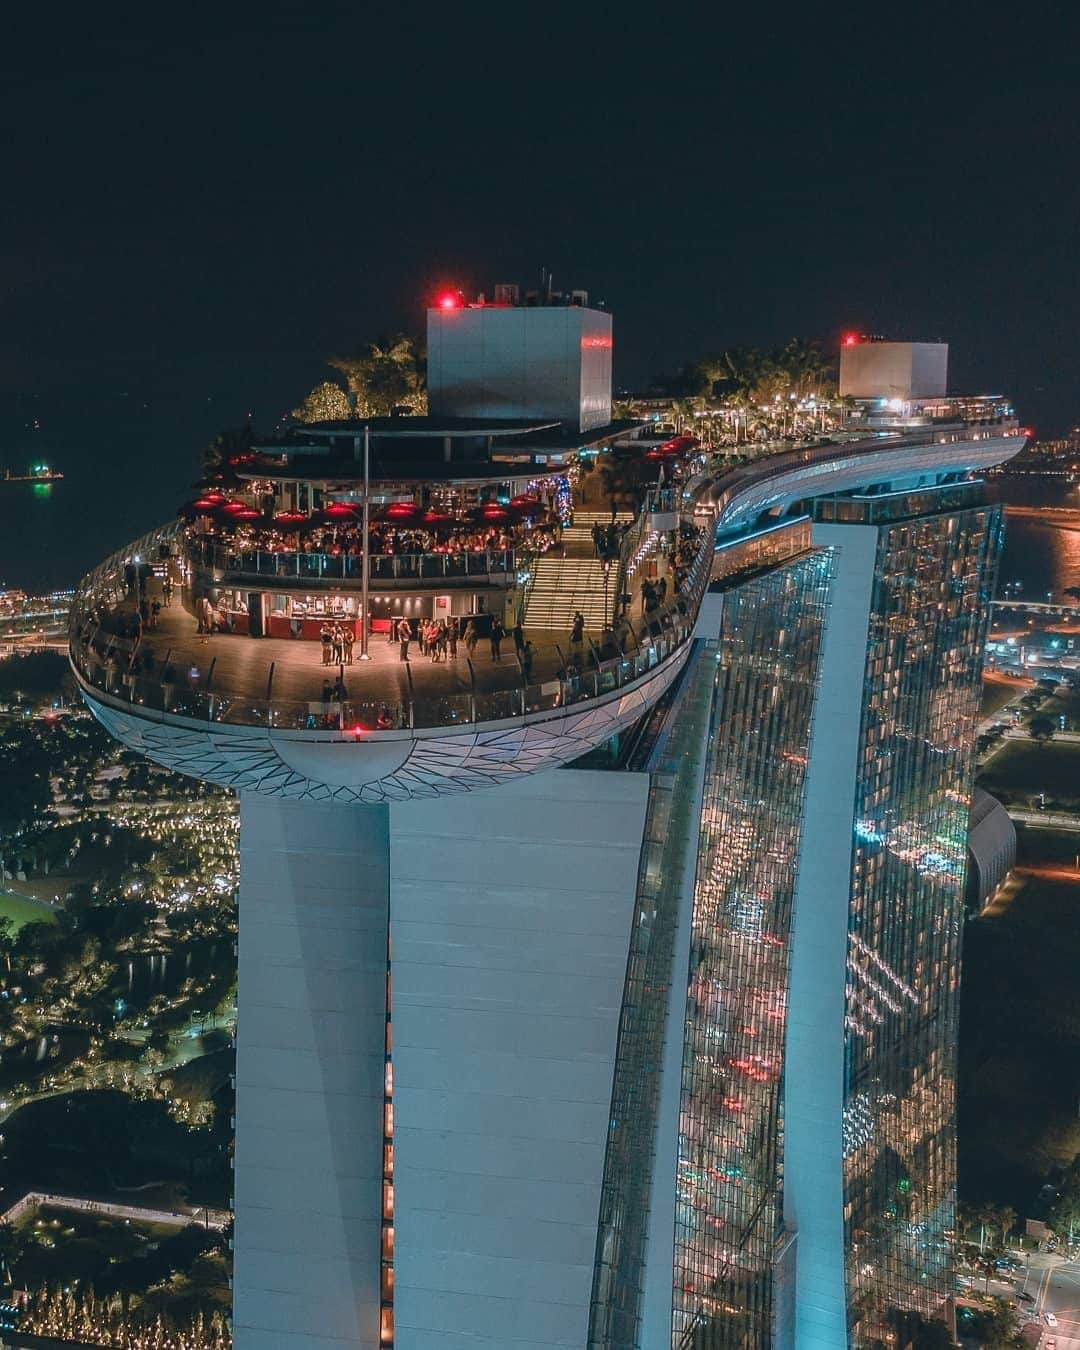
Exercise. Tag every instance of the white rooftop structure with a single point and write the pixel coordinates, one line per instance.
(905, 370)
(549, 359)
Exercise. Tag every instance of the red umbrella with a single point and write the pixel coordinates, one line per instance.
(339, 511)
(525, 502)
(231, 508)
(247, 514)
(290, 519)
(335, 515)
(401, 511)
(434, 517)
(495, 512)
(201, 506)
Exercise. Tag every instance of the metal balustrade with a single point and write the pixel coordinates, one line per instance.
(264, 564)
(561, 676)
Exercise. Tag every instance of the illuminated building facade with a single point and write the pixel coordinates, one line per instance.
(606, 1003)
(816, 1166)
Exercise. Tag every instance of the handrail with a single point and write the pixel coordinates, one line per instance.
(110, 663)
(287, 565)
(727, 490)
(124, 668)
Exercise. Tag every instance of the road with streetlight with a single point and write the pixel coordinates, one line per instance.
(1054, 1282)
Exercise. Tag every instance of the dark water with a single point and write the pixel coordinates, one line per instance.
(141, 977)
(1041, 557)
(128, 435)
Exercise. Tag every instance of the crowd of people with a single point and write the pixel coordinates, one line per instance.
(387, 540)
(438, 639)
(337, 641)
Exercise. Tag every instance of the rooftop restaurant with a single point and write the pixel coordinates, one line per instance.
(268, 599)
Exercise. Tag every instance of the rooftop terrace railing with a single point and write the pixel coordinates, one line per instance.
(734, 492)
(551, 676)
(144, 672)
(285, 566)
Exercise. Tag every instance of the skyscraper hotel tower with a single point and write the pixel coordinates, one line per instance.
(597, 987)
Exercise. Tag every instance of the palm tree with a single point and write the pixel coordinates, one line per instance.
(384, 375)
(683, 410)
(1006, 1218)
(805, 366)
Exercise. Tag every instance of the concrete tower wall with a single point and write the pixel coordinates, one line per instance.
(314, 888)
(511, 919)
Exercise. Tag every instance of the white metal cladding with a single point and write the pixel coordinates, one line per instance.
(529, 361)
(814, 1054)
(813, 473)
(511, 917)
(393, 766)
(894, 369)
(311, 1038)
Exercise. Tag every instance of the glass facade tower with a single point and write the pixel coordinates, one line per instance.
(729, 1179)
(845, 688)
(933, 579)
(673, 1034)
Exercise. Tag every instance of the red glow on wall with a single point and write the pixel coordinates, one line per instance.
(596, 341)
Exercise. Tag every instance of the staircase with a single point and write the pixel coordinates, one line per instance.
(591, 518)
(561, 586)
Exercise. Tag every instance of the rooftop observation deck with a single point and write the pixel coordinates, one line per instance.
(171, 670)
(173, 675)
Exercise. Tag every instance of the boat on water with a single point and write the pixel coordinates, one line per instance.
(38, 473)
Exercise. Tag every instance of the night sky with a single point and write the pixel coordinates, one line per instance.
(199, 202)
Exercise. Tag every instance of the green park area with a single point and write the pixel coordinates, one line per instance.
(158, 1271)
(22, 909)
(1020, 1028)
(1065, 702)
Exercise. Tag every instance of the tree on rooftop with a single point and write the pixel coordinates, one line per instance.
(327, 402)
(384, 375)
(683, 412)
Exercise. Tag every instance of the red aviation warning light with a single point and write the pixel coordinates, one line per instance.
(450, 300)
(851, 339)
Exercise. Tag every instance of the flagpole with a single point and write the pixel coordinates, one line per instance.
(364, 625)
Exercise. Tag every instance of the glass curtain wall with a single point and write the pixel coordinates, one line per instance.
(670, 827)
(930, 605)
(730, 1176)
